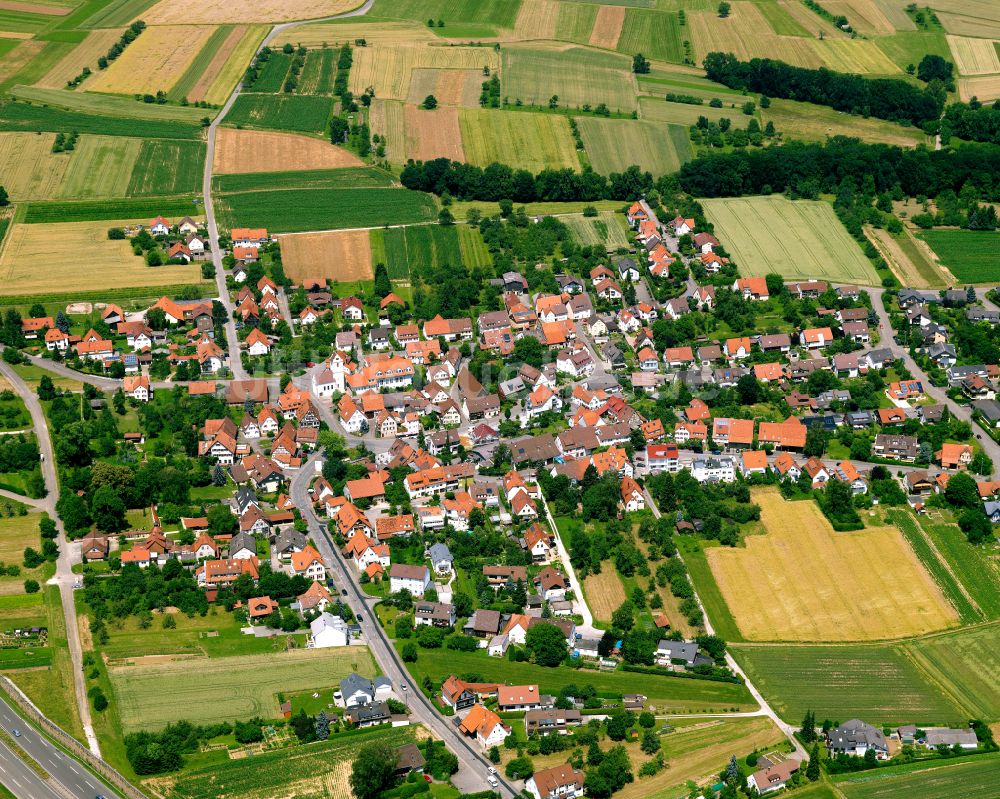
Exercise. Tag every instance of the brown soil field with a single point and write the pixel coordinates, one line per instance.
(218, 12)
(83, 55)
(433, 134)
(344, 256)
(804, 582)
(200, 89)
(241, 151)
(604, 592)
(34, 8)
(933, 274)
(153, 62)
(19, 57)
(608, 27)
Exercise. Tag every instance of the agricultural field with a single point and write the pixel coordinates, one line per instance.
(404, 248)
(150, 696)
(141, 209)
(655, 34)
(345, 178)
(109, 106)
(116, 13)
(965, 662)
(796, 239)
(320, 209)
(906, 259)
(344, 256)
(387, 118)
(975, 777)
(606, 27)
(762, 586)
(154, 62)
(459, 87)
(16, 533)
(347, 30)
(474, 19)
(877, 682)
(613, 145)
(969, 17)
(974, 56)
(321, 770)
(868, 17)
(607, 229)
(297, 113)
(808, 122)
(971, 256)
(532, 141)
(655, 109)
(985, 88)
(220, 12)
(29, 167)
(576, 76)
(47, 258)
(318, 72)
(604, 592)
(242, 151)
(227, 65)
(85, 54)
(214, 49)
(389, 68)
(101, 166)
(433, 134)
(167, 167)
(537, 19)
(473, 248)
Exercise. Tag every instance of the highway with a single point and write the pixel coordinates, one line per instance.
(473, 765)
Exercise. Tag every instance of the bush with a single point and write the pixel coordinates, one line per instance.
(31, 587)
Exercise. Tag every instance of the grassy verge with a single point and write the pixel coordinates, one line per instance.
(693, 552)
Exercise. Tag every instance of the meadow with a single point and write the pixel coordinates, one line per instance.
(532, 141)
(796, 239)
(655, 34)
(16, 533)
(575, 75)
(150, 696)
(29, 167)
(761, 584)
(342, 256)
(238, 151)
(809, 122)
(604, 592)
(85, 54)
(613, 145)
(43, 258)
(110, 106)
(876, 682)
(114, 14)
(607, 229)
(291, 112)
(976, 777)
(972, 256)
(346, 178)
(319, 209)
(656, 109)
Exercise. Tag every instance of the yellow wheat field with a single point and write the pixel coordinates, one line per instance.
(75, 256)
(433, 134)
(218, 12)
(153, 62)
(449, 86)
(388, 69)
(343, 256)
(227, 64)
(315, 34)
(536, 19)
(31, 171)
(985, 87)
(865, 16)
(85, 54)
(608, 27)
(387, 119)
(242, 151)
(974, 56)
(804, 582)
(604, 592)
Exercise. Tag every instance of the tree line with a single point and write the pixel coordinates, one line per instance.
(885, 98)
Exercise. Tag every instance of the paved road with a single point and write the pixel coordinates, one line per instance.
(64, 576)
(963, 412)
(472, 772)
(25, 783)
(765, 708)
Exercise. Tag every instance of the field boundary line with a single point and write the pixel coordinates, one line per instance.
(921, 664)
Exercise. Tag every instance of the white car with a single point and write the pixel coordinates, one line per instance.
(493, 781)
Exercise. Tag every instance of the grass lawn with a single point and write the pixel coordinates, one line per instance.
(32, 375)
(972, 256)
(666, 693)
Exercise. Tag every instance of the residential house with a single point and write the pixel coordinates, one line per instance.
(557, 782)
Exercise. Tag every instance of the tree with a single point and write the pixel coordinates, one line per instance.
(108, 510)
(981, 464)
(31, 587)
(724, 9)
(46, 389)
(383, 286)
(619, 724)
(547, 644)
(640, 65)
(808, 730)
(373, 770)
(624, 616)
(934, 67)
(962, 491)
(409, 652)
(322, 726)
(430, 102)
(749, 389)
(4, 199)
(815, 441)
(812, 770)
(732, 773)
(647, 720)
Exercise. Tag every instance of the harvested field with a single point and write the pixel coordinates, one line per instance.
(791, 18)
(613, 145)
(34, 8)
(986, 88)
(227, 66)
(153, 62)
(48, 258)
(906, 259)
(333, 33)
(963, 25)
(532, 141)
(865, 16)
(433, 134)
(536, 19)
(215, 50)
(576, 75)
(389, 68)
(31, 171)
(810, 122)
(241, 151)
(85, 54)
(101, 166)
(208, 700)
(800, 239)
(764, 588)
(388, 119)
(18, 58)
(974, 56)
(608, 27)
(604, 592)
(343, 256)
(453, 87)
(218, 12)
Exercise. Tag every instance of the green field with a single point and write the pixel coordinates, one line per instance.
(667, 693)
(23, 21)
(972, 256)
(318, 72)
(967, 663)
(693, 552)
(809, 122)
(655, 34)
(613, 145)
(657, 109)
(908, 47)
(150, 696)
(168, 167)
(608, 229)
(110, 105)
(409, 247)
(292, 112)
(800, 239)
(974, 777)
(321, 209)
(474, 250)
(101, 166)
(52, 52)
(576, 76)
(116, 13)
(186, 82)
(272, 73)
(575, 22)
(346, 178)
(92, 210)
(462, 18)
(532, 141)
(875, 682)
(22, 116)
(783, 23)
(317, 771)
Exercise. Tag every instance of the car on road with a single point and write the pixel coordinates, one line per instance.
(360, 619)
(343, 591)
(15, 732)
(493, 781)
(491, 770)
(404, 686)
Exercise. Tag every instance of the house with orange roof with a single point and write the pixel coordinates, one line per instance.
(542, 400)
(768, 372)
(224, 572)
(55, 339)
(257, 343)
(785, 465)
(652, 430)
(690, 431)
(137, 387)
(682, 225)
(678, 356)
(789, 434)
(485, 726)
(733, 432)
(954, 456)
(739, 347)
(159, 227)
(753, 461)
(632, 496)
(815, 338)
(248, 237)
(697, 410)
(308, 563)
(540, 543)
(847, 472)
(752, 288)
(636, 214)
(316, 598)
